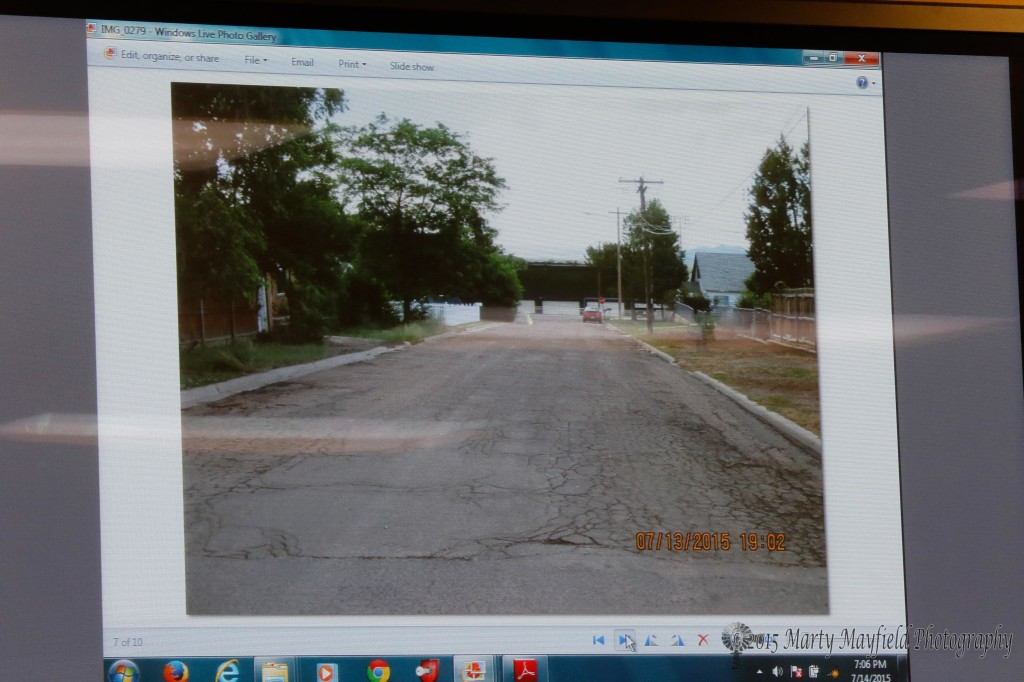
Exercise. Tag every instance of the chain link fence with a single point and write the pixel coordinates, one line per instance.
(791, 321)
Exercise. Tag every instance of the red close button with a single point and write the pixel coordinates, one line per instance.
(860, 58)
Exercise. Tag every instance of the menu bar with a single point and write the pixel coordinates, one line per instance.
(479, 68)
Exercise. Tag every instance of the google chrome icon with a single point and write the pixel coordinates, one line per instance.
(378, 671)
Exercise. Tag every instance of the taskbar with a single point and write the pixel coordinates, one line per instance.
(509, 668)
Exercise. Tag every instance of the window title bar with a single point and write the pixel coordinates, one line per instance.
(290, 37)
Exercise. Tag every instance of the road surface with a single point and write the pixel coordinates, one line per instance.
(502, 471)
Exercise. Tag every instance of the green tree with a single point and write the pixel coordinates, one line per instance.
(217, 249)
(650, 235)
(498, 280)
(604, 257)
(779, 221)
(424, 194)
(362, 299)
(254, 194)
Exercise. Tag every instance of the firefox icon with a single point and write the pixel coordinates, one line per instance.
(175, 671)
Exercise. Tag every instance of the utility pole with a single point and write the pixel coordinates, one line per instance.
(642, 187)
(618, 255)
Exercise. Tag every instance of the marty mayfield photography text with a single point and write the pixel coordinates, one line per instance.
(883, 640)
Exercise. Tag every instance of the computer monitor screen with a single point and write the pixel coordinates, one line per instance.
(438, 357)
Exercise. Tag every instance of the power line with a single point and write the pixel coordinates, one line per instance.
(743, 183)
(652, 229)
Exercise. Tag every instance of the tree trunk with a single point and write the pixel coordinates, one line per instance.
(202, 323)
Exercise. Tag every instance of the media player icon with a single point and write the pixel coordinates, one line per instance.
(598, 640)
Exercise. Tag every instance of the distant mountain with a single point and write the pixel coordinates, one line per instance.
(721, 248)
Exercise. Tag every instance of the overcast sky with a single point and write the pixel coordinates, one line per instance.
(562, 151)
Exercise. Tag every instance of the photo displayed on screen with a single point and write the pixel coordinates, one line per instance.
(491, 278)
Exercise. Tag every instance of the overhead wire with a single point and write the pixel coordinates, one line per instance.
(743, 183)
(660, 231)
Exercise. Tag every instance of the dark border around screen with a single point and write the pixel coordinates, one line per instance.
(80, 639)
(50, 594)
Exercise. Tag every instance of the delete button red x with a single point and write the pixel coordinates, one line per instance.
(860, 58)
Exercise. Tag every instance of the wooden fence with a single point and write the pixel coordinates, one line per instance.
(793, 321)
(208, 321)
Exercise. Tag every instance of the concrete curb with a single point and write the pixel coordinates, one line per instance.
(660, 353)
(793, 432)
(468, 330)
(435, 337)
(648, 347)
(250, 382)
(482, 326)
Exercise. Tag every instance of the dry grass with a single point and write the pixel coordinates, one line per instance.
(785, 380)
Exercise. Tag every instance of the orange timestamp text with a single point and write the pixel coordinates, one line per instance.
(708, 541)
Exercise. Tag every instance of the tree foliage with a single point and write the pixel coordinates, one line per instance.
(254, 194)
(695, 299)
(779, 221)
(654, 246)
(496, 280)
(423, 195)
(218, 252)
(345, 220)
(646, 235)
(751, 300)
(605, 257)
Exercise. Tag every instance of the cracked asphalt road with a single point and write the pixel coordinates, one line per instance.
(504, 471)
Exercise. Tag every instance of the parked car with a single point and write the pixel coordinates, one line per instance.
(592, 313)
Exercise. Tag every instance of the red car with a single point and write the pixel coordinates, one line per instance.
(592, 313)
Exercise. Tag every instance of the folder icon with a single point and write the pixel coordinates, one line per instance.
(274, 671)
